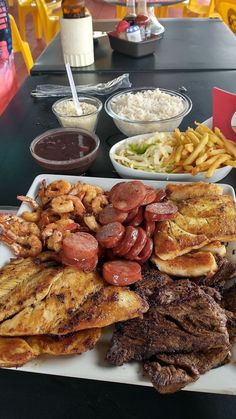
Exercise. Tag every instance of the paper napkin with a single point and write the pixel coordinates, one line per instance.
(224, 112)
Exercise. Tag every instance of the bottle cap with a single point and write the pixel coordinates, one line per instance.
(122, 26)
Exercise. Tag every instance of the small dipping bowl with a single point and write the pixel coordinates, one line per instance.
(65, 111)
(65, 150)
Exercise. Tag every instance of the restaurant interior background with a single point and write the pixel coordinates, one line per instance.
(98, 9)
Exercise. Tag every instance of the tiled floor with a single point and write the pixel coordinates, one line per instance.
(98, 9)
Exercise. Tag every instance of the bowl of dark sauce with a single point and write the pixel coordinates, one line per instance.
(65, 150)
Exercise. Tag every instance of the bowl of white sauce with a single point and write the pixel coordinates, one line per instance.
(66, 113)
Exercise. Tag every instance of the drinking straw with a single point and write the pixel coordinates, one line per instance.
(73, 90)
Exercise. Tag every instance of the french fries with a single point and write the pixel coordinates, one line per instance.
(201, 150)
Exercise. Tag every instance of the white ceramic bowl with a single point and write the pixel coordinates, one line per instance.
(126, 172)
(134, 127)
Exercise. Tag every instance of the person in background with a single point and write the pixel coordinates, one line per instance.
(8, 82)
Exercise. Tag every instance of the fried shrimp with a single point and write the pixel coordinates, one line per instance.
(68, 203)
(16, 226)
(93, 197)
(28, 246)
(27, 200)
(31, 216)
(54, 233)
(53, 190)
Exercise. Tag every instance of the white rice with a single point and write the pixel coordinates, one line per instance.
(147, 105)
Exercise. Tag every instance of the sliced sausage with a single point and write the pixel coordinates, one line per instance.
(130, 237)
(150, 196)
(86, 265)
(138, 246)
(137, 220)
(128, 195)
(110, 215)
(160, 211)
(121, 272)
(110, 234)
(113, 190)
(149, 227)
(161, 194)
(79, 245)
(145, 254)
(131, 215)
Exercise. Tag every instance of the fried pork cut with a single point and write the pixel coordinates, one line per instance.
(15, 352)
(181, 192)
(24, 282)
(76, 301)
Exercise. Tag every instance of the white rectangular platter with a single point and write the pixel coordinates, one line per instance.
(91, 365)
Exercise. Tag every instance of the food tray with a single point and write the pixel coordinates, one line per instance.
(134, 49)
(91, 365)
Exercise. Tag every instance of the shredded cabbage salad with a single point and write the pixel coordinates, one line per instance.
(152, 154)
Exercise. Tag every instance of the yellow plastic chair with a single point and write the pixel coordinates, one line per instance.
(193, 7)
(19, 45)
(10, 3)
(120, 12)
(26, 7)
(227, 11)
(49, 17)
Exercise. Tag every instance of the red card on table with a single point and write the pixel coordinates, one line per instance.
(224, 112)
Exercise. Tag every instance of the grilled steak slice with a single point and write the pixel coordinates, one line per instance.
(225, 271)
(170, 373)
(152, 279)
(229, 303)
(182, 319)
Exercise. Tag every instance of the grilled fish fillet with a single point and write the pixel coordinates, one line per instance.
(24, 283)
(191, 265)
(75, 292)
(15, 352)
(181, 192)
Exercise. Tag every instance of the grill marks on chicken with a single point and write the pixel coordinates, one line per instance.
(184, 326)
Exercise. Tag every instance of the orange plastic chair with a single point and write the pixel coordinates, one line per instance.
(20, 46)
(227, 11)
(49, 17)
(194, 7)
(120, 12)
(10, 3)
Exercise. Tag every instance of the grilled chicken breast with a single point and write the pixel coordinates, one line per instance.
(76, 301)
(15, 352)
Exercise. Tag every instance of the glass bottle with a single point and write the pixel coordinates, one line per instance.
(130, 12)
(142, 19)
(73, 9)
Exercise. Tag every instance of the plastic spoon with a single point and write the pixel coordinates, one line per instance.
(73, 90)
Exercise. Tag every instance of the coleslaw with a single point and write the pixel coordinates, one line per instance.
(152, 154)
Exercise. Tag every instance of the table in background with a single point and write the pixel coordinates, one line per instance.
(187, 45)
(152, 6)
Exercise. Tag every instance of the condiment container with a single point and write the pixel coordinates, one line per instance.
(65, 150)
(121, 28)
(67, 116)
(130, 12)
(76, 34)
(133, 34)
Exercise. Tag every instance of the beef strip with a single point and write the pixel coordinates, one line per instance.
(229, 303)
(182, 319)
(226, 270)
(170, 373)
(182, 335)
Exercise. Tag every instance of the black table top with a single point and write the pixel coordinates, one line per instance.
(26, 395)
(187, 45)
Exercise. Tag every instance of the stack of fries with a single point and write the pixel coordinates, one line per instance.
(201, 150)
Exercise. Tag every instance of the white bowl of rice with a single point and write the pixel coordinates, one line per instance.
(147, 109)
